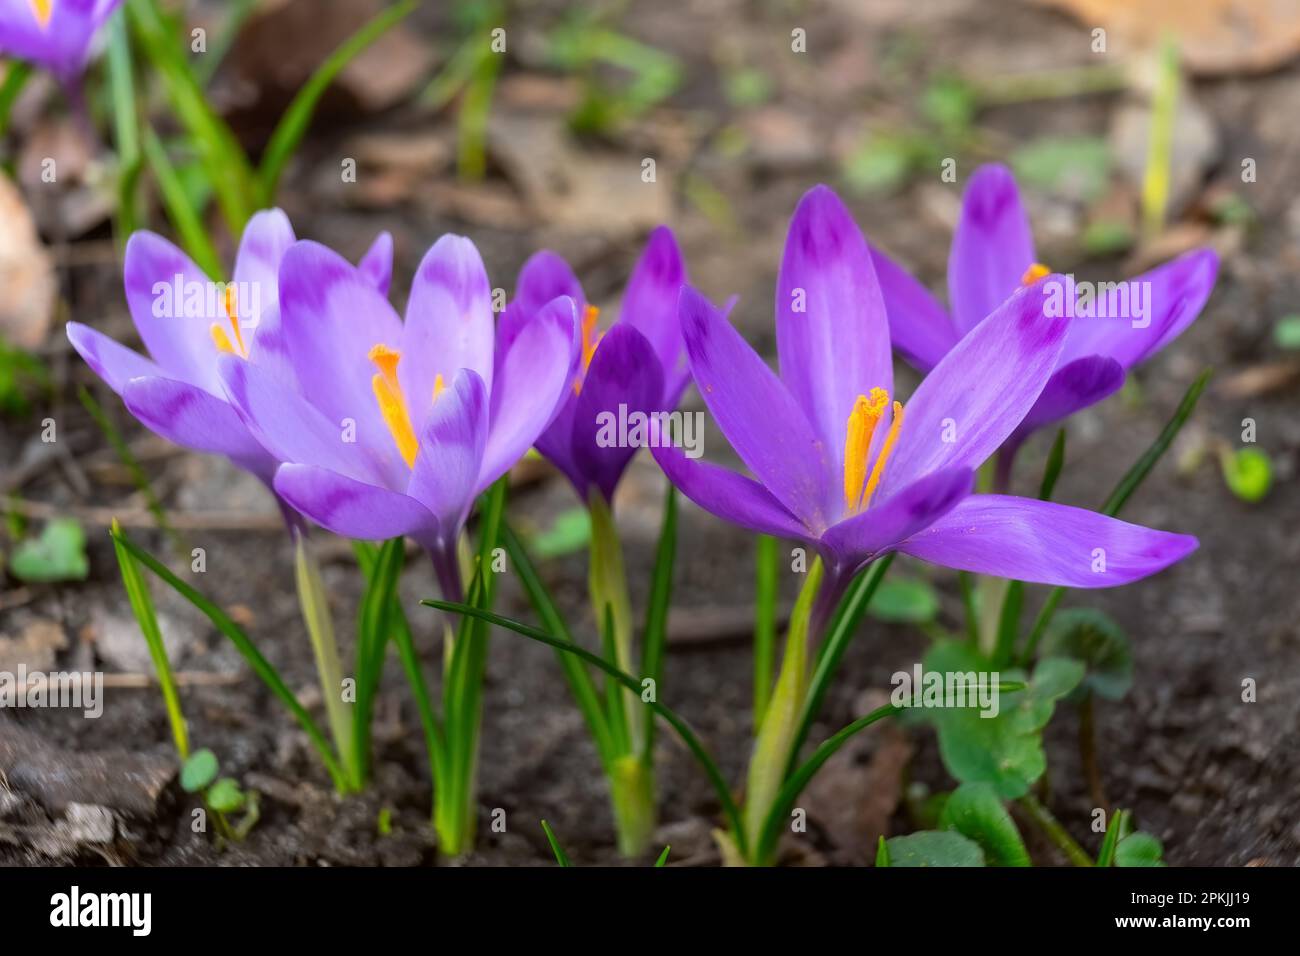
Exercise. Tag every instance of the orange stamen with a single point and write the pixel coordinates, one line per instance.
(590, 339)
(878, 469)
(1035, 272)
(44, 9)
(391, 403)
(857, 443)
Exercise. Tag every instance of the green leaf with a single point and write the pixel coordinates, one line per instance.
(904, 601)
(1091, 637)
(663, 858)
(1074, 167)
(1248, 473)
(654, 635)
(975, 811)
(1005, 750)
(292, 126)
(933, 848)
(767, 565)
(882, 852)
(1286, 332)
(683, 729)
(1139, 849)
(561, 857)
(58, 554)
(184, 216)
(1108, 237)
(1115, 831)
(881, 163)
(224, 796)
(199, 771)
(568, 534)
(950, 103)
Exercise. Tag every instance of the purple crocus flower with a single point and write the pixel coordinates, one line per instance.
(187, 321)
(637, 365)
(54, 34)
(992, 256)
(393, 428)
(840, 469)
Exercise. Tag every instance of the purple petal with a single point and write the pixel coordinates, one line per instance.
(445, 476)
(173, 304)
(63, 45)
(973, 399)
(1169, 299)
(1073, 386)
(650, 301)
(331, 316)
(758, 415)
(624, 383)
(449, 322)
(115, 364)
(832, 334)
(728, 495)
(556, 442)
(867, 535)
(291, 430)
(919, 327)
(991, 249)
(536, 376)
(190, 417)
(352, 508)
(266, 239)
(377, 264)
(1046, 543)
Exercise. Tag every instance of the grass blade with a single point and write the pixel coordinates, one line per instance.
(683, 729)
(663, 858)
(374, 622)
(655, 636)
(186, 219)
(260, 665)
(126, 126)
(141, 604)
(16, 78)
(1055, 462)
(561, 857)
(293, 125)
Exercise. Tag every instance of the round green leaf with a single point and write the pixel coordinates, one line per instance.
(1286, 333)
(976, 811)
(199, 771)
(59, 554)
(225, 796)
(1248, 473)
(933, 848)
(1094, 639)
(904, 601)
(1139, 849)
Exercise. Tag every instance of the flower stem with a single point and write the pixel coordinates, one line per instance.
(320, 627)
(632, 795)
(1052, 829)
(607, 584)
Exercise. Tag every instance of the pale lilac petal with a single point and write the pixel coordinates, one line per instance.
(190, 417)
(624, 383)
(294, 431)
(1046, 543)
(1145, 314)
(920, 329)
(266, 239)
(991, 249)
(452, 440)
(650, 300)
(536, 375)
(352, 508)
(883, 526)
(174, 306)
(115, 364)
(730, 496)
(377, 264)
(449, 322)
(758, 415)
(331, 316)
(973, 399)
(832, 334)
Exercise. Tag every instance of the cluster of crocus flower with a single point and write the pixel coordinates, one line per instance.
(376, 426)
(55, 34)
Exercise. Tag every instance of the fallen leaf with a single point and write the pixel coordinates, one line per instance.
(26, 274)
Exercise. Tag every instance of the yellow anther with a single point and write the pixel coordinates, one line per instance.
(857, 443)
(391, 404)
(1035, 272)
(590, 339)
(439, 386)
(878, 469)
(221, 339)
(44, 9)
(232, 313)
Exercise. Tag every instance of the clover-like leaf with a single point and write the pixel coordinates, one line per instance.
(1095, 640)
(1139, 849)
(199, 771)
(224, 796)
(58, 554)
(976, 811)
(932, 848)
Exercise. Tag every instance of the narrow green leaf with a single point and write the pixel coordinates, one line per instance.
(663, 858)
(132, 465)
(1114, 832)
(1055, 462)
(188, 223)
(682, 728)
(882, 852)
(655, 634)
(293, 125)
(19, 72)
(768, 562)
(261, 667)
(561, 857)
(126, 126)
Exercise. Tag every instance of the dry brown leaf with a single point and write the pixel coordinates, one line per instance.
(26, 274)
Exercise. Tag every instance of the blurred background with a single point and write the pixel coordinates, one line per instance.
(1138, 129)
